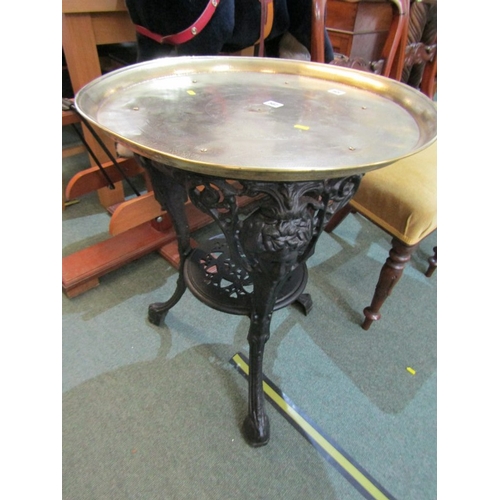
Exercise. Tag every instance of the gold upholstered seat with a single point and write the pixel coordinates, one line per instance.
(402, 198)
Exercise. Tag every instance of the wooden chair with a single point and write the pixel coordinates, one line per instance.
(368, 22)
(401, 199)
(420, 62)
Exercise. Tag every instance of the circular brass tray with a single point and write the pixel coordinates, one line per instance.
(259, 118)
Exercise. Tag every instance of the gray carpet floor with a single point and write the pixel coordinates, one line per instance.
(155, 412)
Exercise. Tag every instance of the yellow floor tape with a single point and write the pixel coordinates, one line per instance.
(359, 478)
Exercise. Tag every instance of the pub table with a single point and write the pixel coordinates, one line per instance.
(270, 149)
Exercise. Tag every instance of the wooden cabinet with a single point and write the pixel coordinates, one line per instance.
(358, 28)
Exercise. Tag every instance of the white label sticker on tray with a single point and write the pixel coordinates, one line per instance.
(336, 91)
(273, 104)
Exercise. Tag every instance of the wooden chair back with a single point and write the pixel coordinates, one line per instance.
(391, 60)
(420, 50)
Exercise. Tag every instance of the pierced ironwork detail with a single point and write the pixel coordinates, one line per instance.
(221, 272)
(282, 223)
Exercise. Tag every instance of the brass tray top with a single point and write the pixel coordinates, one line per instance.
(259, 118)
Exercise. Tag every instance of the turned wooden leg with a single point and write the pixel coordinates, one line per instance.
(337, 218)
(392, 270)
(433, 262)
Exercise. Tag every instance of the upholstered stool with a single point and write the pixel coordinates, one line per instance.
(402, 200)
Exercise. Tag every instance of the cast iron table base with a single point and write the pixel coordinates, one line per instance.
(260, 264)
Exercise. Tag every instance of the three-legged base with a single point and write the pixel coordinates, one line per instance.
(260, 264)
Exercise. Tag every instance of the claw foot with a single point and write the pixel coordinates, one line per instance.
(157, 313)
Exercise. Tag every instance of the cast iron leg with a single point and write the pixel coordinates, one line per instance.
(171, 195)
(276, 238)
(158, 310)
(256, 426)
(305, 302)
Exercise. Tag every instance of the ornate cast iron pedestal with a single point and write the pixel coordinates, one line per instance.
(260, 264)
